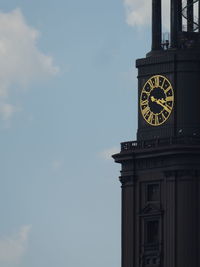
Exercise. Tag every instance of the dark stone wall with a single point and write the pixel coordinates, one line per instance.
(183, 70)
(176, 169)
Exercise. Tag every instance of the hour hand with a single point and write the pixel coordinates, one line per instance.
(153, 99)
(161, 103)
(158, 101)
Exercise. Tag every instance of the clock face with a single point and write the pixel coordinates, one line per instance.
(156, 100)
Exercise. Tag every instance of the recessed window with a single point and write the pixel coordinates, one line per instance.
(152, 232)
(153, 192)
(154, 261)
(148, 261)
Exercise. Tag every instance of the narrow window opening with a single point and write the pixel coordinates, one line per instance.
(152, 236)
(153, 192)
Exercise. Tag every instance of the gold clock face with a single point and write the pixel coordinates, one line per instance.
(157, 100)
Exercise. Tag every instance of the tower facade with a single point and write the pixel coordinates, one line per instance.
(160, 171)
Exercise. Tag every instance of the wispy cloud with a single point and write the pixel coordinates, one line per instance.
(21, 62)
(106, 154)
(13, 248)
(7, 110)
(138, 12)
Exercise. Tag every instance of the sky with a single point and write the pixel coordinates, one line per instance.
(68, 97)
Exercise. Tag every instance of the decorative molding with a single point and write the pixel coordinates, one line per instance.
(127, 180)
(177, 174)
(150, 163)
(183, 173)
(170, 174)
(151, 209)
(167, 142)
(150, 258)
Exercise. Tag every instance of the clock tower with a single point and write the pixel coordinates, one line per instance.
(160, 171)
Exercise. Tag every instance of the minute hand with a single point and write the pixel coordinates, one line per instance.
(158, 101)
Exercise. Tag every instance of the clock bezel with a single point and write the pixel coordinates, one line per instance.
(153, 86)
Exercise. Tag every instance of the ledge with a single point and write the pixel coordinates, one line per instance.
(157, 143)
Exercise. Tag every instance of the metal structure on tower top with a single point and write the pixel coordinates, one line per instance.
(184, 29)
(189, 14)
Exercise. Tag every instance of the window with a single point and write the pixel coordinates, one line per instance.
(152, 261)
(152, 232)
(153, 192)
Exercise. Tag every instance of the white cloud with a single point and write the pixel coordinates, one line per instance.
(21, 62)
(13, 248)
(7, 110)
(106, 154)
(138, 12)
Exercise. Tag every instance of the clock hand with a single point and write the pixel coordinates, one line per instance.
(153, 99)
(160, 102)
(162, 105)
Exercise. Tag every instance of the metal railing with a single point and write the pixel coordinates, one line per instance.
(183, 140)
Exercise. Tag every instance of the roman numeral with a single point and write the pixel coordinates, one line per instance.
(156, 80)
(168, 108)
(145, 111)
(150, 119)
(168, 89)
(163, 117)
(144, 102)
(169, 98)
(156, 120)
(163, 83)
(151, 84)
(145, 92)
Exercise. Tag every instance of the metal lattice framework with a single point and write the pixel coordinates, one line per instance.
(187, 6)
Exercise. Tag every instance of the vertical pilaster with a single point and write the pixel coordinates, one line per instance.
(179, 11)
(156, 24)
(187, 227)
(128, 221)
(176, 21)
(170, 219)
(199, 15)
(190, 16)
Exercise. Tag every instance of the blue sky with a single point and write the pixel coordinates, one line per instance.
(68, 97)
